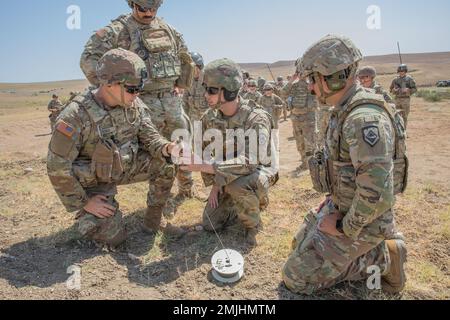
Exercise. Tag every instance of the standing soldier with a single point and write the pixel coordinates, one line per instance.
(252, 93)
(261, 83)
(194, 97)
(362, 167)
(403, 87)
(103, 139)
(366, 77)
(168, 62)
(240, 179)
(278, 91)
(272, 104)
(303, 116)
(54, 107)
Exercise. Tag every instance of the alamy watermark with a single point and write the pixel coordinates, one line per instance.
(74, 281)
(374, 19)
(73, 22)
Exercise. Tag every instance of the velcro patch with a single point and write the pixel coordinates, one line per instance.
(65, 129)
(371, 135)
(101, 33)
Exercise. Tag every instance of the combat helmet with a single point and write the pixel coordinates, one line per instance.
(223, 74)
(280, 78)
(121, 66)
(367, 71)
(402, 68)
(334, 57)
(198, 59)
(267, 87)
(154, 4)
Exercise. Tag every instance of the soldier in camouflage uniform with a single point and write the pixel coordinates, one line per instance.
(168, 62)
(362, 167)
(403, 87)
(303, 116)
(366, 77)
(105, 138)
(278, 90)
(272, 104)
(252, 94)
(261, 83)
(240, 179)
(55, 108)
(194, 97)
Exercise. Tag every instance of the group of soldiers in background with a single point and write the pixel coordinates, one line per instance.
(146, 84)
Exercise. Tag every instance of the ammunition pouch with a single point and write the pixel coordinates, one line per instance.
(319, 173)
(107, 162)
(186, 78)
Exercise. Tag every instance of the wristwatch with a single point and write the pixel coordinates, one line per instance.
(340, 226)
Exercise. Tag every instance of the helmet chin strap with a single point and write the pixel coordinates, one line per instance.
(118, 102)
(323, 95)
(220, 102)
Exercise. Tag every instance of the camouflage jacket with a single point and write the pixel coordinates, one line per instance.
(82, 126)
(158, 44)
(401, 84)
(302, 100)
(194, 100)
(360, 149)
(271, 104)
(253, 96)
(279, 90)
(380, 90)
(237, 163)
(55, 105)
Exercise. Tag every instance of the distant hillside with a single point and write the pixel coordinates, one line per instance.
(427, 68)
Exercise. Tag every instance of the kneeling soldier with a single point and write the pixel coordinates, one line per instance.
(105, 138)
(240, 179)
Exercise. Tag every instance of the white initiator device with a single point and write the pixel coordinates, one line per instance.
(227, 266)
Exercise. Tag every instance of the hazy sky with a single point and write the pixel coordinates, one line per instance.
(38, 46)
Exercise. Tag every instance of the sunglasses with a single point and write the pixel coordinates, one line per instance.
(211, 90)
(252, 86)
(142, 9)
(133, 89)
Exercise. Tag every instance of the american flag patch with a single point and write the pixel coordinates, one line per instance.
(65, 129)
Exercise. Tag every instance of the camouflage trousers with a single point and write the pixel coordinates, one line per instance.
(276, 118)
(322, 119)
(243, 199)
(111, 231)
(168, 115)
(53, 119)
(304, 130)
(403, 105)
(320, 261)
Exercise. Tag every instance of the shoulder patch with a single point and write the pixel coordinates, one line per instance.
(371, 135)
(101, 33)
(65, 129)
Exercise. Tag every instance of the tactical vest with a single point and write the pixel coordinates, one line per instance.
(249, 110)
(331, 175)
(156, 45)
(302, 100)
(111, 149)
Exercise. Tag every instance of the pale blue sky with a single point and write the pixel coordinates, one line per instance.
(37, 46)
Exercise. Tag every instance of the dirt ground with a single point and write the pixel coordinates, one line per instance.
(38, 243)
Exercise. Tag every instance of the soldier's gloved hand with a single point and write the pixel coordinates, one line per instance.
(328, 224)
(98, 207)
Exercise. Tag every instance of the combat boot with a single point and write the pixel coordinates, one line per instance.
(250, 237)
(395, 279)
(152, 219)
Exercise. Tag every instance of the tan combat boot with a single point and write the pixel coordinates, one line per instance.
(152, 219)
(395, 279)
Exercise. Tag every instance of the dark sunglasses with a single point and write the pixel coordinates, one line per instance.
(211, 90)
(133, 89)
(142, 9)
(252, 86)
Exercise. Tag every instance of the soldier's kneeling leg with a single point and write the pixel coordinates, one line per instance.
(110, 231)
(220, 217)
(250, 193)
